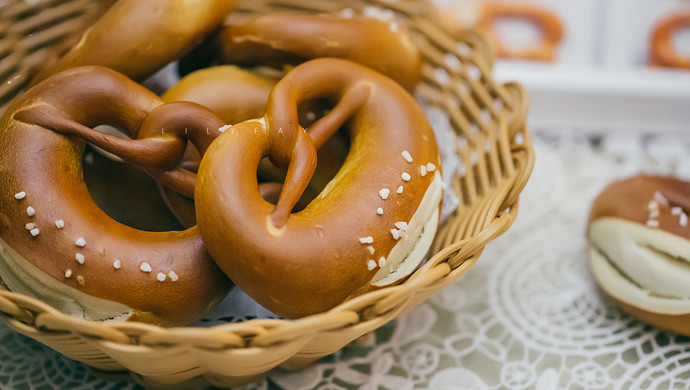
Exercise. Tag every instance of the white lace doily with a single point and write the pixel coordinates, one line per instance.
(527, 316)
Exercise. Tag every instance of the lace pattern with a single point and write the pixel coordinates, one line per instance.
(527, 316)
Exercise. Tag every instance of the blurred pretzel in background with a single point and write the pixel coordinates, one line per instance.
(484, 15)
(661, 49)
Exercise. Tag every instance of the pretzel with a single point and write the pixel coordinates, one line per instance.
(639, 240)
(138, 37)
(372, 224)
(279, 39)
(483, 15)
(236, 95)
(661, 50)
(58, 245)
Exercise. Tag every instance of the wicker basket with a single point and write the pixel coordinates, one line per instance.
(492, 141)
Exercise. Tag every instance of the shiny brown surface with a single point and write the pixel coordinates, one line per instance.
(138, 37)
(42, 138)
(301, 263)
(279, 39)
(679, 323)
(236, 95)
(629, 199)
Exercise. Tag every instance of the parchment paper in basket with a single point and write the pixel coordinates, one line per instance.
(238, 306)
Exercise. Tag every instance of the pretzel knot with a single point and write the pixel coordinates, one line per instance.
(369, 227)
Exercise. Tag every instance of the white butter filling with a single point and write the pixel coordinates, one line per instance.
(409, 252)
(20, 276)
(642, 266)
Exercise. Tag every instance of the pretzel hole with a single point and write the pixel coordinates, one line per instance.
(331, 157)
(681, 41)
(124, 191)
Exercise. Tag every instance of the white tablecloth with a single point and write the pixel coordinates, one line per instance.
(527, 316)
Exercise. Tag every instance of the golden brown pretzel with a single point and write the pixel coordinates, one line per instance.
(484, 15)
(236, 95)
(56, 243)
(371, 225)
(639, 246)
(661, 49)
(278, 39)
(138, 37)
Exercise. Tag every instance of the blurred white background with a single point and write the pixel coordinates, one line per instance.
(602, 77)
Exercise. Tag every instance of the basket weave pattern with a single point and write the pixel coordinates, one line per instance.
(492, 142)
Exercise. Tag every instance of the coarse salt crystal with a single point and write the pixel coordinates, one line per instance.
(400, 190)
(384, 193)
(683, 221)
(68, 273)
(145, 267)
(395, 233)
(117, 264)
(661, 199)
(367, 240)
(371, 249)
(382, 262)
(379, 211)
(60, 224)
(80, 242)
(34, 232)
(161, 277)
(406, 176)
(20, 195)
(402, 226)
(30, 226)
(430, 167)
(173, 276)
(80, 258)
(371, 264)
(407, 156)
(654, 214)
(652, 205)
(30, 211)
(676, 211)
(422, 170)
(653, 223)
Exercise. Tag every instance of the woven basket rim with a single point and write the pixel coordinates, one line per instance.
(30, 315)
